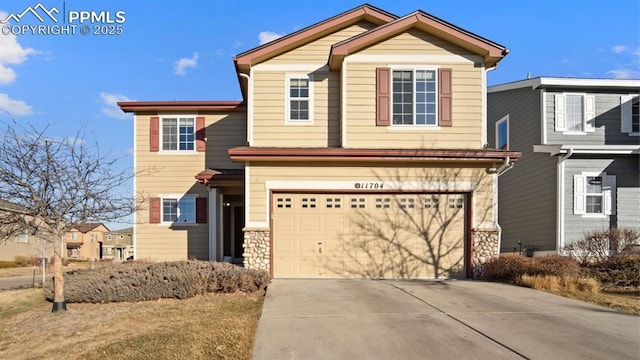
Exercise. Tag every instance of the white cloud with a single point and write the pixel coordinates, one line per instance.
(11, 53)
(183, 64)
(14, 107)
(110, 106)
(618, 49)
(624, 74)
(267, 36)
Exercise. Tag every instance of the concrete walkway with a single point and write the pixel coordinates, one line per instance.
(380, 319)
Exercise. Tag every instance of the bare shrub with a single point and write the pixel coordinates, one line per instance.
(131, 281)
(511, 268)
(26, 260)
(617, 272)
(7, 264)
(554, 265)
(602, 245)
(540, 282)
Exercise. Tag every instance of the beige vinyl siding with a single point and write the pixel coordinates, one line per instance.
(466, 131)
(174, 174)
(318, 51)
(270, 127)
(361, 172)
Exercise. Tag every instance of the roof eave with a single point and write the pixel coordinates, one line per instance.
(140, 106)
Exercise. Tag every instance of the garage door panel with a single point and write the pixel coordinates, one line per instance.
(368, 235)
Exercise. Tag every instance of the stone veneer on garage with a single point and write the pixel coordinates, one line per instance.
(485, 248)
(256, 249)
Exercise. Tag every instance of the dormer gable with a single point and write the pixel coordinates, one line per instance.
(491, 52)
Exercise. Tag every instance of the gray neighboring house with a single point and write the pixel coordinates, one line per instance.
(579, 170)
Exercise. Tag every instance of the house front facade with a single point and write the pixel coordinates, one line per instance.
(18, 241)
(117, 245)
(358, 151)
(579, 170)
(83, 241)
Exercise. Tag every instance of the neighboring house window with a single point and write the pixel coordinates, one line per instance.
(182, 210)
(74, 236)
(299, 104)
(178, 133)
(414, 97)
(109, 237)
(22, 238)
(594, 194)
(72, 253)
(502, 133)
(630, 115)
(575, 113)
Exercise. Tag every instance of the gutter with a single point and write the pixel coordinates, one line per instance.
(506, 166)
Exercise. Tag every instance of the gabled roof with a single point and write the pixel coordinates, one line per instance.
(567, 82)
(86, 227)
(311, 33)
(9, 206)
(489, 50)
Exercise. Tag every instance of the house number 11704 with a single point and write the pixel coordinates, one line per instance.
(369, 185)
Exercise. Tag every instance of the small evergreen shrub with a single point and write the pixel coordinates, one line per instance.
(141, 281)
(506, 268)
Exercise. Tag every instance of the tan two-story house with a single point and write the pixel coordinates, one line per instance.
(359, 151)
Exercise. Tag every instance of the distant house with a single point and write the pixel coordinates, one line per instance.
(118, 245)
(21, 243)
(84, 241)
(579, 170)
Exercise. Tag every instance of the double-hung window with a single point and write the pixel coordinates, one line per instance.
(178, 133)
(574, 113)
(299, 100)
(502, 133)
(594, 194)
(414, 97)
(23, 237)
(179, 210)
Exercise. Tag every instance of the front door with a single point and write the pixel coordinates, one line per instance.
(233, 235)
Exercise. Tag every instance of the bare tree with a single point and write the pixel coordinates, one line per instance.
(57, 183)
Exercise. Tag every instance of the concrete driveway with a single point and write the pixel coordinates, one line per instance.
(392, 319)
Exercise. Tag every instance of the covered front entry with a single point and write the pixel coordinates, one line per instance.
(378, 235)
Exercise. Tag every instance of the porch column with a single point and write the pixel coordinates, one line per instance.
(214, 214)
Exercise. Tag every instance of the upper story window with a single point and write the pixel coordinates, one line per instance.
(23, 237)
(299, 100)
(74, 236)
(179, 210)
(575, 113)
(178, 134)
(594, 194)
(414, 97)
(630, 115)
(502, 133)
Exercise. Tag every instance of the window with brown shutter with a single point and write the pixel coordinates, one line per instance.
(154, 210)
(154, 134)
(383, 90)
(201, 134)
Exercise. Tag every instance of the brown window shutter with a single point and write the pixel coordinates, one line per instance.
(154, 134)
(154, 210)
(444, 97)
(383, 90)
(201, 210)
(201, 134)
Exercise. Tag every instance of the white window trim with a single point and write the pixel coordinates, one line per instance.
(626, 114)
(287, 99)
(587, 116)
(608, 196)
(497, 132)
(178, 197)
(161, 129)
(22, 238)
(413, 126)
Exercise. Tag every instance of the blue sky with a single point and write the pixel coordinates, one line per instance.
(173, 50)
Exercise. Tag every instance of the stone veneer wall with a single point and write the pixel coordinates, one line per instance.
(484, 248)
(256, 249)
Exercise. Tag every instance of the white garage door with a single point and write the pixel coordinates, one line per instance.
(368, 235)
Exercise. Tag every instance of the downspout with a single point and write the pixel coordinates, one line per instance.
(249, 109)
(485, 103)
(506, 166)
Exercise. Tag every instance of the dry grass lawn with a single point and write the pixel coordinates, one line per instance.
(205, 327)
(587, 290)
